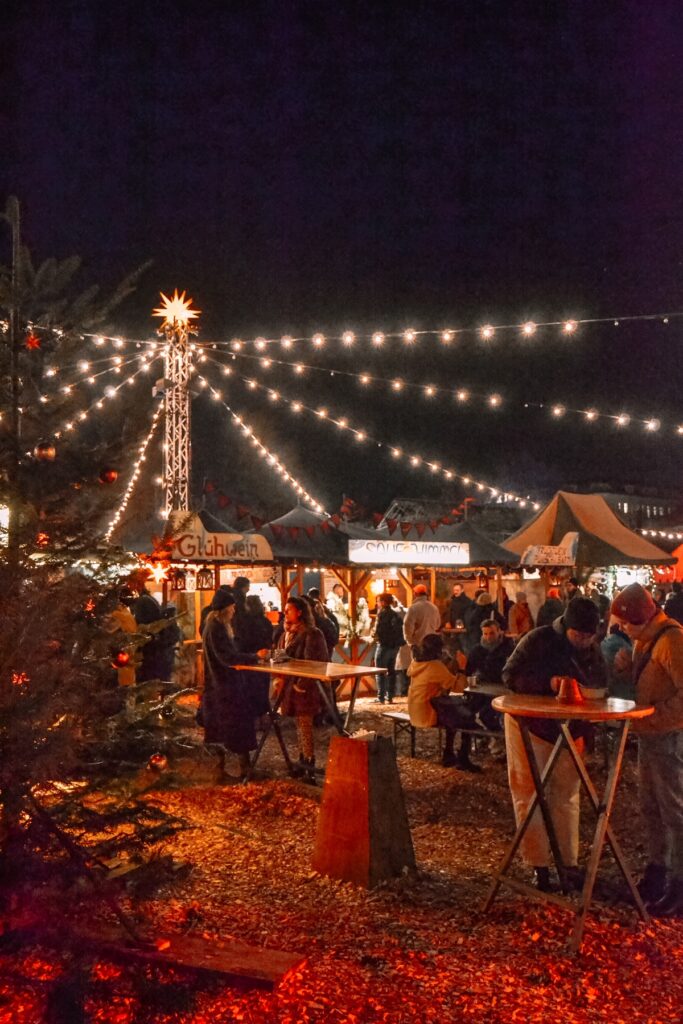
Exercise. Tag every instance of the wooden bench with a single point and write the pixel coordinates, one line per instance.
(400, 721)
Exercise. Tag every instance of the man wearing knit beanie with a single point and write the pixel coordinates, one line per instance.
(657, 666)
(567, 647)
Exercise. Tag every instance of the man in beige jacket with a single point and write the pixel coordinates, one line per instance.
(658, 676)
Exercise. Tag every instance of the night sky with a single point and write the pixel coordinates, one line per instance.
(303, 166)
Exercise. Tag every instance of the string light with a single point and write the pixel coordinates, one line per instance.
(493, 400)
(141, 457)
(414, 460)
(272, 458)
(110, 393)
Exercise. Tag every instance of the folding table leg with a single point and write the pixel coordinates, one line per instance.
(352, 702)
(603, 830)
(539, 782)
(332, 708)
(273, 725)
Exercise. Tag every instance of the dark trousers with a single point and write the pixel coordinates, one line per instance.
(385, 657)
(452, 714)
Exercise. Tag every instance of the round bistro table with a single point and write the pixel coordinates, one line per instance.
(612, 710)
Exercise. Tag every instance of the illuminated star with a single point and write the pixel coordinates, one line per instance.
(176, 310)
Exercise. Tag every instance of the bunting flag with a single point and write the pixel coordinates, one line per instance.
(446, 520)
(420, 527)
(310, 530)
(392, 524)
(433, 523)
(209, 487)
(325, 527)
(336, 519)
(293, 532)
(406, 528)
(256, 522)
(224, 501)
(377, 518)
(242, 511)
(278, 531)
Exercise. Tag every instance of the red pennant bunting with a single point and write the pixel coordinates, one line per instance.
(336, 519)
(209, 487)
(377, 518)
(433, 523)
(256, 522)
(392, 524)
(223, 500)
(420, 527)
(310, 530)
(325, 527)
(293, 532)
(406, 528)
(278, 531)
(242, 511)
(446, 520)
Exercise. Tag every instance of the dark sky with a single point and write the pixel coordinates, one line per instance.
(314, 165)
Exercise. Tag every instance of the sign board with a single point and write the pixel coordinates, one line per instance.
(408, 552)
(552, 554)
(191, 540)
(255, 574)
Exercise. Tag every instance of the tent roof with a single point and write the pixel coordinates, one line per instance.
(603, 538)
(290, 540)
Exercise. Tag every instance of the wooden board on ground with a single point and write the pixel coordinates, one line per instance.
(235, 963)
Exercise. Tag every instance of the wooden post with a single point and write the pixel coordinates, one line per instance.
(363, 834)
(432, 584)
(499, 583)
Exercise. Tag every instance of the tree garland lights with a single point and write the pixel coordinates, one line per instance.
(110, 392)
(270, 456)
(142, 450)
(414, 460)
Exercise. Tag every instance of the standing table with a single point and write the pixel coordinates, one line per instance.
(324, 673)
(619, 712)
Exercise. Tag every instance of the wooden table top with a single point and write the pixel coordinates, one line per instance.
(313, 669)
(526, 705)
(488, 689)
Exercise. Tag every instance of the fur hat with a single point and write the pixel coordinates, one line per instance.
(222, 599)
(581, 614)
(634, 604)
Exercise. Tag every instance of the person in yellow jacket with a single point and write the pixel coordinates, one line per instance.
(657, 666)
(429, 703)
(122, 620)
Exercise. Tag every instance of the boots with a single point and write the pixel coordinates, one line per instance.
(245, 765)
(670, 905)
(309, 771)
(542, 879)
(652, 886)
(299, 767)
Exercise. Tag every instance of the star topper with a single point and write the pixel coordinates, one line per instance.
(176, 311)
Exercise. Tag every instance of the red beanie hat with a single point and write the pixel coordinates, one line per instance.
(419, 589)
(634, 604)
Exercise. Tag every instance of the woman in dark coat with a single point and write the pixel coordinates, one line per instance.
(256, 635)
(302, 640)
(228, 704)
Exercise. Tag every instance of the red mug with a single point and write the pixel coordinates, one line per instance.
(570, 691)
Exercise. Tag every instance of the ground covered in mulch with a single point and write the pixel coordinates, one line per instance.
(416, 949)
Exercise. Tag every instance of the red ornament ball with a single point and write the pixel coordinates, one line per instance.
(120, 659)
(158, 763)
(108, 475)
(45, 451)
(32, 341)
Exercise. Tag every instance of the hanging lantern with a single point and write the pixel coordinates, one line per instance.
(205, 579)
(158, 763)
(42, 540)
(178, 580)
(120, 659)
(45, 451)
(108, 475)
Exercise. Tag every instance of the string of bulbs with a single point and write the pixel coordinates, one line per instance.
(137, 469)
(414, 460)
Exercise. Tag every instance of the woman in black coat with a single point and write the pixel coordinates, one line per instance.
(256, 634)
(229, 704)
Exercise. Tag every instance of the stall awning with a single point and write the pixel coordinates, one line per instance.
(603, 538)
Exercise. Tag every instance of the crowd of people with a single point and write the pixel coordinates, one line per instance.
(631, 646)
